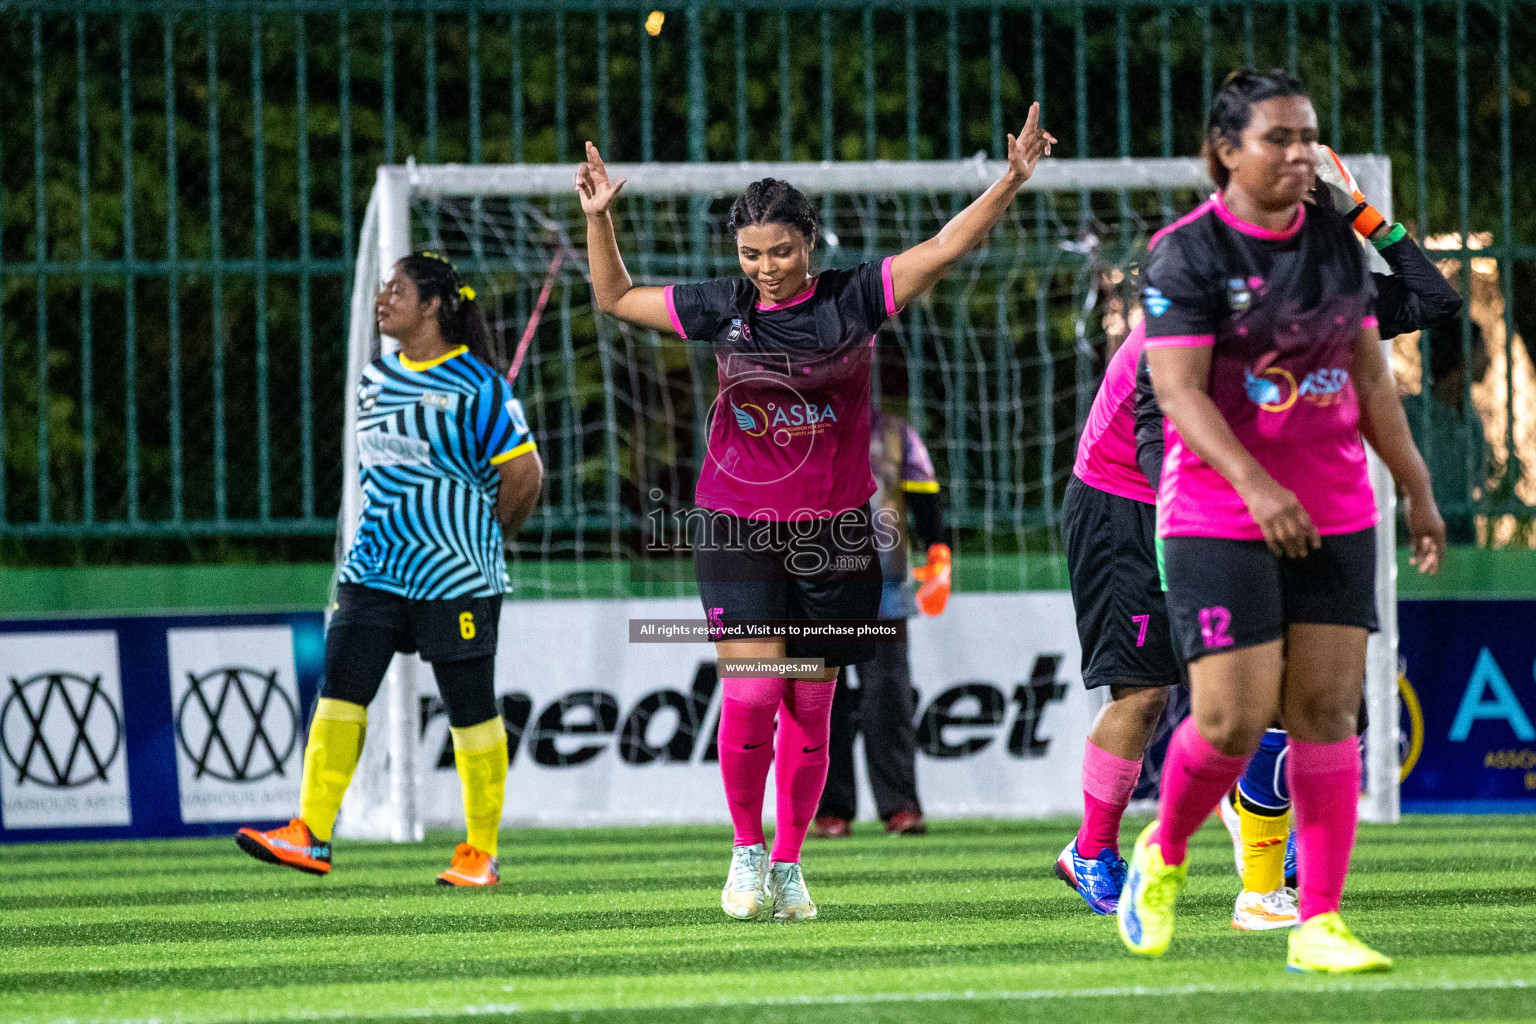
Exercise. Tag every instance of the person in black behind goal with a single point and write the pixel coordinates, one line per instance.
(882, 706)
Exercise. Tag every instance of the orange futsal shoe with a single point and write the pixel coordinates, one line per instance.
(293, 845)
(471, 866)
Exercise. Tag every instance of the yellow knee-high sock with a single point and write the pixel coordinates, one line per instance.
(480, 753)
(1263, 847)
(330, 758)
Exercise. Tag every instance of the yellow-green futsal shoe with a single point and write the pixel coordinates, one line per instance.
(1146, 905)
(1324, 945)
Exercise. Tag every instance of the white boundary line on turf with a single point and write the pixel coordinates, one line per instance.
(854, 999)
(1005, 995)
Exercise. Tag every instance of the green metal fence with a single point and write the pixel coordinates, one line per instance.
(180, 184)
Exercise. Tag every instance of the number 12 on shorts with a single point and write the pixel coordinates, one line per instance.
(1213, 627)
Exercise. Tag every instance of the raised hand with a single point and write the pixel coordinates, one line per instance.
(1345, 195)
(915, 270)
(597, 192)
(1032, 143)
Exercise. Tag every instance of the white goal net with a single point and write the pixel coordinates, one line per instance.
(996, 369)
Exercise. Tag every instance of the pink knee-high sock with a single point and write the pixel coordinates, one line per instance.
(801, 772)
(1195, 775)
(1108, 782)
(1325, 795)
(746, 750)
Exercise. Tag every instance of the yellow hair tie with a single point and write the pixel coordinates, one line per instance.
(467, 293)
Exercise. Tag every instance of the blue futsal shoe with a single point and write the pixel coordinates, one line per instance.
(1097, 881)
(1290, 859)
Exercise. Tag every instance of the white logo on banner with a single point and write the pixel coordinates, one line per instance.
(603, 730)
(61, 731)
(235, 699)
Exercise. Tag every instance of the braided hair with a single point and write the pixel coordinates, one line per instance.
(458, 315)
(771, 201)
(1232, 110)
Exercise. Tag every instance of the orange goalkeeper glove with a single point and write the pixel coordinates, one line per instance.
(1346, 195)
(933, 595)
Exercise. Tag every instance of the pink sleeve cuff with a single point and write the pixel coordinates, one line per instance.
(1370, 323)
(1181, 341)
(677, 325)
(890, 286)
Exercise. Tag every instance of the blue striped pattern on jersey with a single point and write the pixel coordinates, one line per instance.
(429, 437)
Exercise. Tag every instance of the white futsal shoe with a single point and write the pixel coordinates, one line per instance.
(1263, 911)
(745, 896)
(1255, 911)
(786, 889)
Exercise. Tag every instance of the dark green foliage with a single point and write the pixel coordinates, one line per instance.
(465, 82)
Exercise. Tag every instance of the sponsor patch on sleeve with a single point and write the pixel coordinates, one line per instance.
(515, 414)
(1239, 295)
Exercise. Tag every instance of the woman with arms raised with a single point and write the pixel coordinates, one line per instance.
(786, 479)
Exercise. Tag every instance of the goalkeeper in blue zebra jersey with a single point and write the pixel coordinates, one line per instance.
(448, 469)
(1414, 296)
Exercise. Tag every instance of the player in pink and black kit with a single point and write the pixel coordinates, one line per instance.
(1414, 296)
(1109, 521)
(1111, 556)
(786, 476)
(1264, 350)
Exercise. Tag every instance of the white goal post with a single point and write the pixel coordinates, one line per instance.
(383, 802)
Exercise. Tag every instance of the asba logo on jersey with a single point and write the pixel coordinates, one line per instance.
(1325, 386)
(802, 414)
(747, 422)
(1273, 389)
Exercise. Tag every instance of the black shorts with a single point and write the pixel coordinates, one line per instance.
(817, 570)
(1122, 619)
(1229, 594)
(450, 630)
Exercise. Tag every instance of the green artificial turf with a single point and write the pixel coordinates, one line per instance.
(966, 924)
